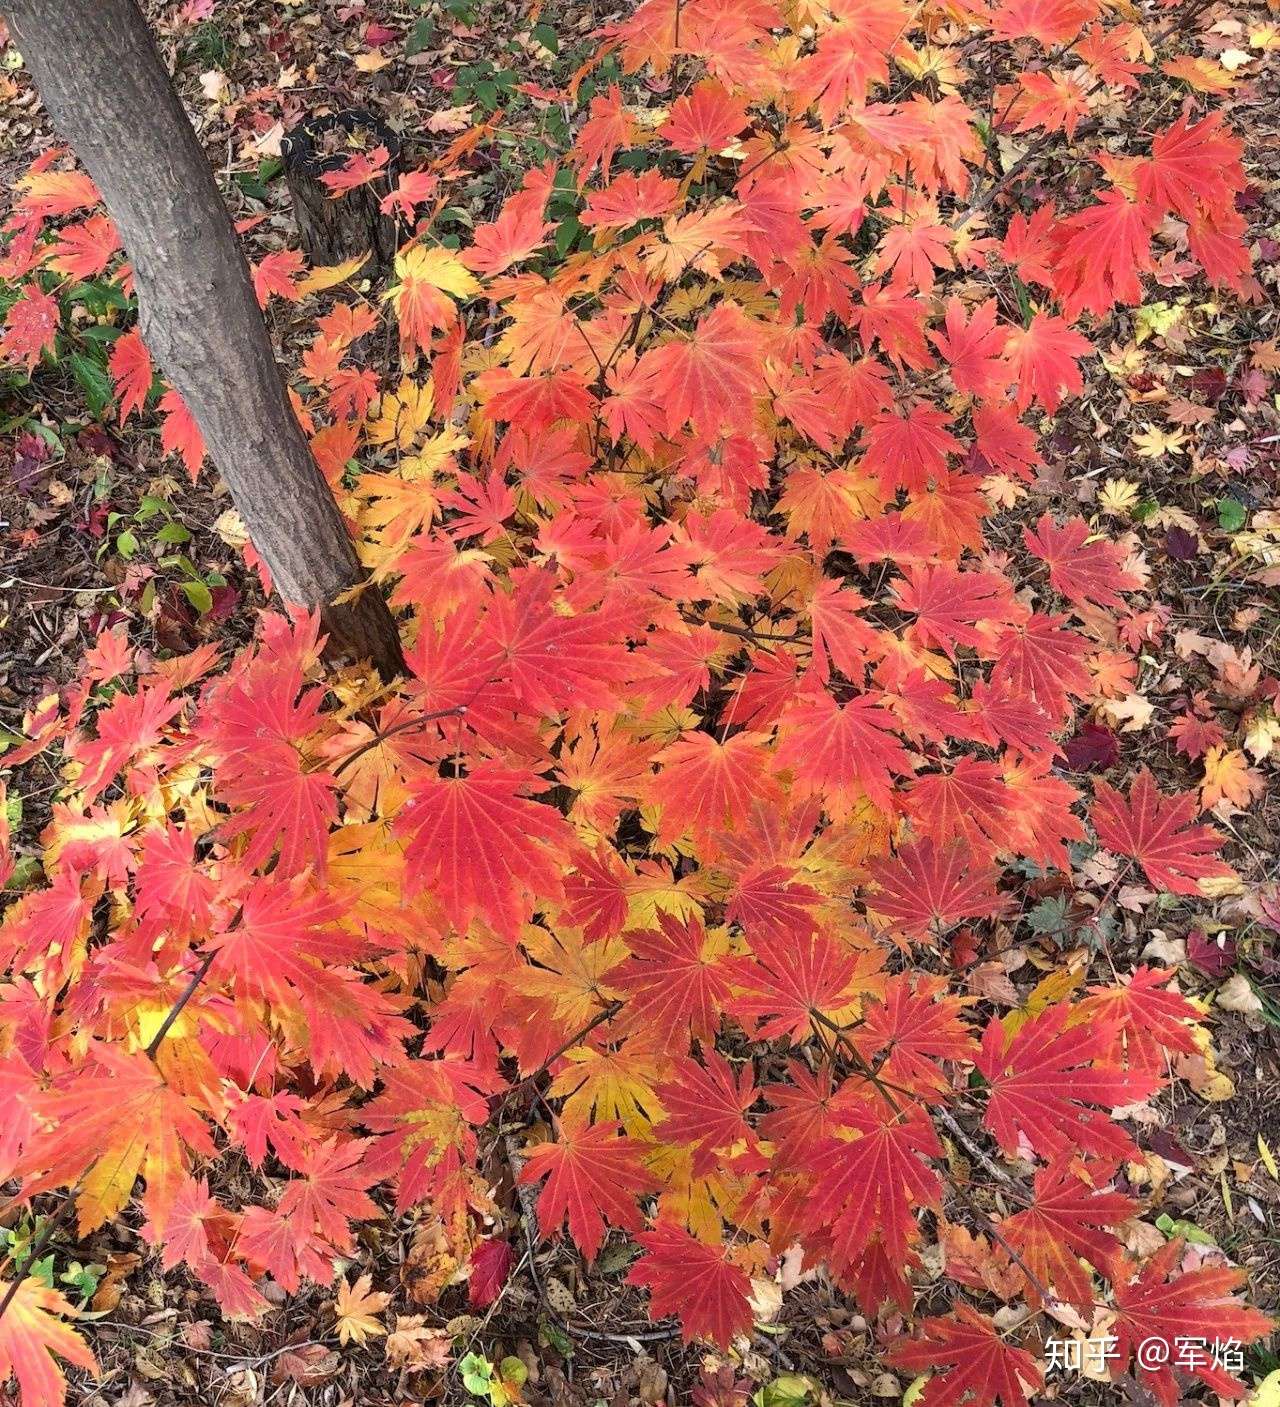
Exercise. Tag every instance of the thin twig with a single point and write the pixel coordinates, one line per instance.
(951, 1124)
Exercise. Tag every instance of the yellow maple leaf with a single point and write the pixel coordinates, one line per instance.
(1001, 491)
(600, 1083)
(570, 973)
(1203, 75)
(1056, 987)
(1228, 777)
(1118, 498)
(330, 275)
(397, 417)
(356, 1306)
(424, 276)
(1154, 443)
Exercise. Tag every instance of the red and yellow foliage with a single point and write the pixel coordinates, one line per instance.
(723, 712)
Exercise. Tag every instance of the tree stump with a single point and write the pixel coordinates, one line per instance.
(334, 229)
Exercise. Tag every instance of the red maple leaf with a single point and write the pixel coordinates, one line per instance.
(710, 379)
(705, 120)
(130, 366)
(698, 1283)
(907, 451)
(952, 607)
(675, 981)
(973, 349)
(840, 752)
(1156, 831)
(1040, 659)
(912, 1028)
(553, 661)
(1176, 1309)
(706, 1107)
(1101, 251)
(1147, 1018)
(1043, 1080)
(978, 1367)
(970, 803)
(767, 900)
(705, 785)
(481, 847)
(1065, 1224)
(83, 251)
(1042, 361)
(792, 975)
(873, 1185)
(593, 1178)
(1191, 165)
(30, 326)
(928, 887)
(1086, 573)
(180, 434)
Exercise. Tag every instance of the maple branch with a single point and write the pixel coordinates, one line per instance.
(952, 1125)
(605, 1014)
(746, 632)
(870, 1073)
(188, 992)
(405, 724)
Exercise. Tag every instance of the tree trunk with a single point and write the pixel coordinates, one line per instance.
(106, 88)
(333, 228)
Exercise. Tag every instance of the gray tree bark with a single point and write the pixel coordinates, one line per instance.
(106, 87)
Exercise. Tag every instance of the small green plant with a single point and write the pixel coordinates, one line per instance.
(17, 1243)
(82, 1280)
(499, 1382)
(153, 521)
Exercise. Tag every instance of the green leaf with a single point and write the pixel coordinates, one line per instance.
(477, 1374)
(1184, 1230)
(93, 379)
(551, 1333)
(787, 1390)
(99, 297)
(199, 595)
(149, 505)
(1231, 515)
(421, 37)
(126, 545)
(1147, 508)
(173, 532)
(615, 1257)
(546, 36)
(26, 873)
(100, 332)
(566, 232)
(1049, 915)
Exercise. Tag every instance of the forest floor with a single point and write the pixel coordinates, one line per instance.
(1198, 494)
